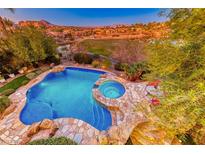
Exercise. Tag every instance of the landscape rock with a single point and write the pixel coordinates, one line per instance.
(46, 124)
(34, 129)
(10, 109)
(58, 69)
(53, 130)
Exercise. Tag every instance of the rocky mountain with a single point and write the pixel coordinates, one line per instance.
(41, 23)
(71, 33)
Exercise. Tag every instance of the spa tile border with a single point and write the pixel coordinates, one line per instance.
(109, 102)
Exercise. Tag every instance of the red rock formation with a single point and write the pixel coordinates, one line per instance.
(70, 33)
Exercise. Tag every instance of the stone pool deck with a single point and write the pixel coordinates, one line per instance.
(124, 118)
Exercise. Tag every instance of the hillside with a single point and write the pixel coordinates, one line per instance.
(68, 34)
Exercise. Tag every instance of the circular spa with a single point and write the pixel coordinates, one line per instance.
(112, 89)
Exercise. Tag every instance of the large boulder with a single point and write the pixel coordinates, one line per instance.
(34, 129)
(46, 124)
(47, 128)
(58, 69)
(53, 130)
(23, 70)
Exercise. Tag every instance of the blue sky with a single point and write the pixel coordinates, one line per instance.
(85, 17)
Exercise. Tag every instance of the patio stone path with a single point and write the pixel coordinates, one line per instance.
(124, 119)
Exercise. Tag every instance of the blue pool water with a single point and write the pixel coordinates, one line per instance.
(112, 89)
(66, 94)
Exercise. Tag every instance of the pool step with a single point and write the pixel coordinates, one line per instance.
(99, 117)
(95, 115)
(102, 118)
(99, 120)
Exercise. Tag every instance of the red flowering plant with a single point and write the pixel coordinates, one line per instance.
(153, 91)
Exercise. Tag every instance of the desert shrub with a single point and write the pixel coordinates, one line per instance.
(35, 64)
(16, 71)
(53, 141)
(83, 58)
(8, 69)
(96, 63)
(186, 139)
(4, 103)
(106, 63)
(119, 66)
(31, 75)
(53, 59)
(7, 92)
(6, 76)
(136, 71)
(95, 56)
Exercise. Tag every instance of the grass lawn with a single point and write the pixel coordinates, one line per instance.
(101, 47)
(99, 51)
(15, 84)
(10, 87)
(113, 47)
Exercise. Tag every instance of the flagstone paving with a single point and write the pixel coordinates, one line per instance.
(124, 118)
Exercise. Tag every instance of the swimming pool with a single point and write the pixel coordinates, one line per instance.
(66, 94)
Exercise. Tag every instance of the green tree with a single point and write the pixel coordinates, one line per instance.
(26, 46)
(179, 61)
